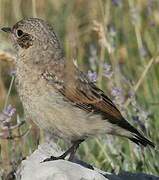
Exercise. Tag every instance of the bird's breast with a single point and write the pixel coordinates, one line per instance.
(50, 110)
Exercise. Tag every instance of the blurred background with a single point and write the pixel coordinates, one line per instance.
(116, 43)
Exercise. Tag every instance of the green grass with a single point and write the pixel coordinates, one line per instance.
(95, 32)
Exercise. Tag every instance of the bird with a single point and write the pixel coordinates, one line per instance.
(57, 95)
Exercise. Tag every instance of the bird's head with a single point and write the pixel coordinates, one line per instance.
(33, 35)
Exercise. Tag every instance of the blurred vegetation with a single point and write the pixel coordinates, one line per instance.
(117, 40)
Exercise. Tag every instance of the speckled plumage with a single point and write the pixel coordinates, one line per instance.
(56, 95)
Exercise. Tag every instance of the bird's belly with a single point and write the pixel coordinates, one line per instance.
(51, 112)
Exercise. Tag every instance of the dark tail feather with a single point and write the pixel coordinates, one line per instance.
(141, 140)
(134, 135)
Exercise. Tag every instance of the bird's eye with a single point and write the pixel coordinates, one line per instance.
(19, 32)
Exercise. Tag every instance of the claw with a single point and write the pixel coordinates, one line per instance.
(52, 158)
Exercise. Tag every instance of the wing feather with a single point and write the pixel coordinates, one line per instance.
(84, 94)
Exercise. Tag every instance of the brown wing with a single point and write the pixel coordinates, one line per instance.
(87, 95)
(77, 89)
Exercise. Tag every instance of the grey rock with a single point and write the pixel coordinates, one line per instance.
(34, 168)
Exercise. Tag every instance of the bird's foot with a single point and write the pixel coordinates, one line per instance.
(70, 151)
(52, 158)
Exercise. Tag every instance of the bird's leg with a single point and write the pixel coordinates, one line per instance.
(71, 151)
(75, 147)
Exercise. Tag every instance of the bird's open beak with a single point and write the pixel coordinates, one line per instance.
(6, 29)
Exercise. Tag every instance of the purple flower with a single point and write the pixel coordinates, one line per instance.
(131, 94)
(6, 115)
(116, 2)
(116, 91)
(107, 71)
(92, 76)
(9, 111)
(12, 72)
(118, 96)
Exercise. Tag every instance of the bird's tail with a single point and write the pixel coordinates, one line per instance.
(132, 133)
(141, 140)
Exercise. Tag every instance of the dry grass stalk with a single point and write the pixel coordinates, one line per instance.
(6, 56)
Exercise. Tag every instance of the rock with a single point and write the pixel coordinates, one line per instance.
(58, 170)
(33, 168)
